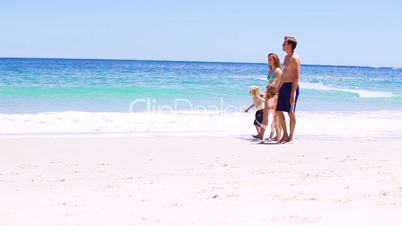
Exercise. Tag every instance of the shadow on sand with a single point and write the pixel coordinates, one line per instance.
(258, 141)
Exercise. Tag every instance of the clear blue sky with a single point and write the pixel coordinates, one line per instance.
(341, 32)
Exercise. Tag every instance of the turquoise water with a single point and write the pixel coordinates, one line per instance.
(47, 85)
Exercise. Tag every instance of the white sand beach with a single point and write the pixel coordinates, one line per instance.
(200, 181)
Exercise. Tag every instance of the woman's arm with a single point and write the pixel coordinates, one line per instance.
(278, 78)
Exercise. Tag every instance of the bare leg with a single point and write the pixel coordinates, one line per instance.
(282, 124)
(264, 122)
(258, 130)
(277, 127)
(271, 135)
(292, 122)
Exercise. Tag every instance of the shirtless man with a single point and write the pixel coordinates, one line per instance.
(289, 89)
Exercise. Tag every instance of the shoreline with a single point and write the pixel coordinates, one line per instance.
(173, 134)
(377, 124)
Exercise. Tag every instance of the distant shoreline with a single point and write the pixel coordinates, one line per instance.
(186, 61)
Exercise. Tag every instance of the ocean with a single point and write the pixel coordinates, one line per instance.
(57, 87)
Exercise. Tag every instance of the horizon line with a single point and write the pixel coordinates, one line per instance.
(187, 61)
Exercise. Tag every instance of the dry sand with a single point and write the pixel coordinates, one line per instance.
(199, 181)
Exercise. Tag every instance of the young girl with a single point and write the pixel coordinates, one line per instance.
(258, 103)
(271, 100)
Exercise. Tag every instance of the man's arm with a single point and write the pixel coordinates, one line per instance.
(295, 82)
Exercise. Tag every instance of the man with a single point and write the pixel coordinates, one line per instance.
(289, 89)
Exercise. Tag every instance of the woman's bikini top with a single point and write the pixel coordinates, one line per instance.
(271, 76)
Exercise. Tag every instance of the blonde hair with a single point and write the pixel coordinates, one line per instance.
(254, 91)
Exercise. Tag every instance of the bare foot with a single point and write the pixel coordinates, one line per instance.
(289, 140)
(255, 136)
(284, 139)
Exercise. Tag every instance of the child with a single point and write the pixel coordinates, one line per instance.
(258, 103)
(271, 100)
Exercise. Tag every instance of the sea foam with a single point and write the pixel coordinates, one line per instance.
(350, 124)
(360, 92)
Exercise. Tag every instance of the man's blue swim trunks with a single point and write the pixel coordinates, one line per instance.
(284, 98)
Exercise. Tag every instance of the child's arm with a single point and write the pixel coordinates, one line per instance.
(252, 105)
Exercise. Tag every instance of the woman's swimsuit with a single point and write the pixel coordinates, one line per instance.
(271, 76)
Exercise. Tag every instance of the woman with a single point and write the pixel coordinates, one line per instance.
(274, 78)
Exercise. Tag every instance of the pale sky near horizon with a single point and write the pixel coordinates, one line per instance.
(337, 32)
